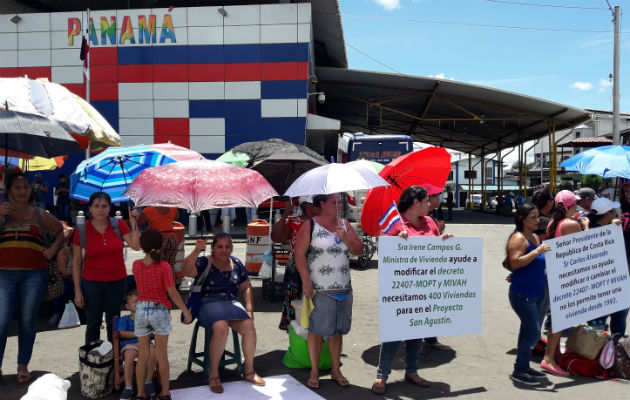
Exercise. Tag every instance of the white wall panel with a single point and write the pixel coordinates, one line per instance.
(170, 108)
(207, 126)
(170, 90)
(6, 25)
(59, 20)
(66, 57)
(208, 144)
(33, 58)
(135, 109)
(278, 33)
(8, 58)
(179, 15)
(135, 91)
(204, 16)
(135, 126)
(67, 74)
(133, 140)
(33, 40)
(304, 33)
(304, 13)
(206, 90)
(302, 107)
(36, 22)
(242, 90)
(205, 35)
(278, 108)
(278, 13)
(59, 40)
(242, 15)
(241, 34)
(8, 41)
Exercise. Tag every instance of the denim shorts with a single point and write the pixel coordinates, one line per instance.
(330, 317)
(152, 317)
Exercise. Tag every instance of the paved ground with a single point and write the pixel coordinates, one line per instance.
(478, 369)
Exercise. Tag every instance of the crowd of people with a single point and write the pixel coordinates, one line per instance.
(91, 259)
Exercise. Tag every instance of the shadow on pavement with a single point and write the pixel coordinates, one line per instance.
(431, 359)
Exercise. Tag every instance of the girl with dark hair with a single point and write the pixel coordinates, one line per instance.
(220, 309)
(153, 317)
(24, 258)
(561, 224)
(100, 277)
(527, 288)
(413, 206)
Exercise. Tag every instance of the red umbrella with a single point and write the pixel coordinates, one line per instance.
(199, 185)
(431, 165)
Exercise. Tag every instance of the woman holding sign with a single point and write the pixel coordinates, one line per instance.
(561, 224)
(527, 288)
(325, 275)
(413, 207)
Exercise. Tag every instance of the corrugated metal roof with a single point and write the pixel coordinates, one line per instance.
(588, 142)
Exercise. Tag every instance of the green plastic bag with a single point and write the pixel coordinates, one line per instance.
(297, 355)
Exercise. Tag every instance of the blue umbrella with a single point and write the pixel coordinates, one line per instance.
(113, 170)
(605, 161)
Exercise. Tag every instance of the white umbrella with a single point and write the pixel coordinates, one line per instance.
(336, 178)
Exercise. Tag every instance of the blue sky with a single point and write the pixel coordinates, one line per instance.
(566, 58)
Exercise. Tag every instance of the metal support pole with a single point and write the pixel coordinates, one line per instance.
(616, 137)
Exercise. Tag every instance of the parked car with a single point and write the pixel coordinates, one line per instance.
(476, 201)
(350, 205)
(492, 202)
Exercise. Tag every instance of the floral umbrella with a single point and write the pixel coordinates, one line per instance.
(199, 185)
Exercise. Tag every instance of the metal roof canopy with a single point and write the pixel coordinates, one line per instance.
(464, 117)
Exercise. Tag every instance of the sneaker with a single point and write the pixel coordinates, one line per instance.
(149, 389)
(126, 394)
(524, 378)
(535, 374)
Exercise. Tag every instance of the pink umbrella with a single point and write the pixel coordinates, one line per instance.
(177, 153)
(199, 185)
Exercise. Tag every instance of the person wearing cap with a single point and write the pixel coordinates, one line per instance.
(561, 224)
(603, 212)
(286, 229)
(585, 197)
(40, 191)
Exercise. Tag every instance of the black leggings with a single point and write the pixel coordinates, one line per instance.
(99, 298)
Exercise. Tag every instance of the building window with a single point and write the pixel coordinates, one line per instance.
(577, 135)
(450, 176)
(469, 174)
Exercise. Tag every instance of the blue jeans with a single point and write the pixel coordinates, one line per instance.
(388, 352)
(21, 290)
(99, 298)
(528, 310)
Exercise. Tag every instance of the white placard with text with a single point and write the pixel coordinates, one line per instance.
(428, 287)
(588, 276)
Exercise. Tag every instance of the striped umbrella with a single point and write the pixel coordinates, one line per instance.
(115, 168)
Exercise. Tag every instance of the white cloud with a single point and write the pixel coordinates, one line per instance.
(601, 90)
(388, 5)
(441, 75)
(604, 83)
(582, 85)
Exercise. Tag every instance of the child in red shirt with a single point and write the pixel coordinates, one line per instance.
(153, 317)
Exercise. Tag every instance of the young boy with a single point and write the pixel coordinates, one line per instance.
(129, 351)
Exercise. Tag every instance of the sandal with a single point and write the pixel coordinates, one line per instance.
(24, 376)
(217, 387)
(313, 383)
(342, 382)
(377, 389)
(165, 397)
(253, 378)
(420, 382)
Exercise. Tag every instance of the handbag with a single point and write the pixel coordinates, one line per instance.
(193, 302)
(586, 341)
(55, 282)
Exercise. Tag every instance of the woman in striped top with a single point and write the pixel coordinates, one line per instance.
(23, 266)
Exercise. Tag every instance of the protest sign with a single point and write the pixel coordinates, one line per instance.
(588, 276)
(428, 287)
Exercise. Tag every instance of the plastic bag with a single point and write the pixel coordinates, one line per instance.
(265, 271)
(48, 387)
(70, 317)
(268, 258)
(306, 310)
(297, 354)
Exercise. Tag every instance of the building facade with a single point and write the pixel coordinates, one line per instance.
(208, 78)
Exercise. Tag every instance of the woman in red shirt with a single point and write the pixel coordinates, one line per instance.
(413, 207)
(100, 283)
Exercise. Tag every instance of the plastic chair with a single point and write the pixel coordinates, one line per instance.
(203, 358)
